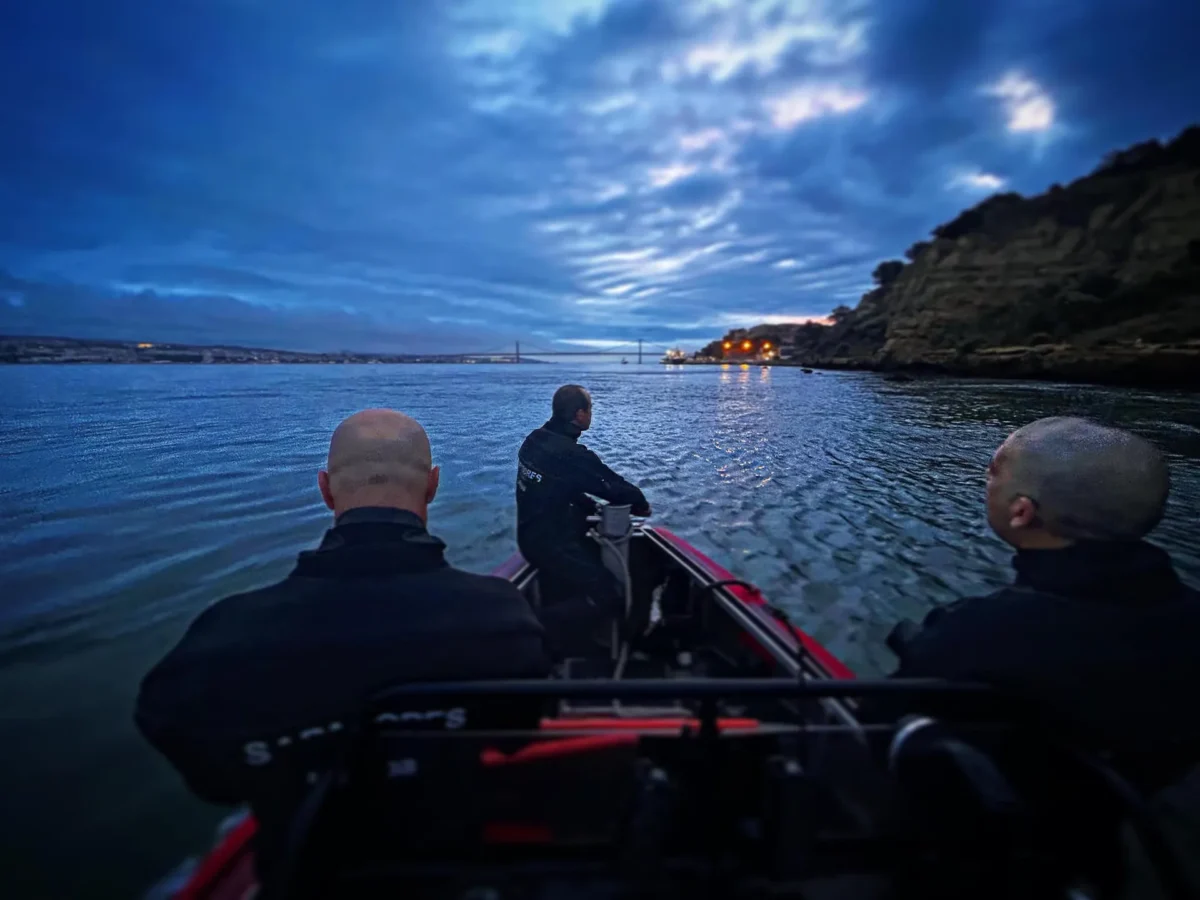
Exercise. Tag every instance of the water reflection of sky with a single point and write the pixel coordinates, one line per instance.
(134, 496)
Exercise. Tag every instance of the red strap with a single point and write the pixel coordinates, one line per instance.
(516, 833)
(560, 747)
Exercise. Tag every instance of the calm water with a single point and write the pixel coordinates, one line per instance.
(131, 497)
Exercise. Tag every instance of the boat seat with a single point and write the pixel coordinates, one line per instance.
(958, 798)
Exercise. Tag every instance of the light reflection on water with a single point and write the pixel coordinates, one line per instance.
(134, 496)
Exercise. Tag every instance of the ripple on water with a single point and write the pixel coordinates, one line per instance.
(135, 496)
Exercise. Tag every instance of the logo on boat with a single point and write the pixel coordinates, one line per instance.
(261, 753)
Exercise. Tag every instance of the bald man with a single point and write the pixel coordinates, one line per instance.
(258, 689)
(1098, 636)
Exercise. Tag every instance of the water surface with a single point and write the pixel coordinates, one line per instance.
(132, 497)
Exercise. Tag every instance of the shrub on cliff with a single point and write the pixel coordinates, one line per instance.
(887, 272)
(996, 213)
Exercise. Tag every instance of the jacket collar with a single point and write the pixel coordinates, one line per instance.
(1120, 571)
(370, 542)
(379, 515)
(566, 429)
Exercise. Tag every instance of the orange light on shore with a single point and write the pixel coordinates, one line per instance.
(728, 345)
(766, 345)
(746, 345)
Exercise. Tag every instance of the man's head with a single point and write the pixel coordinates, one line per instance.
(379, 457)
(1061, 480)
(572, 405)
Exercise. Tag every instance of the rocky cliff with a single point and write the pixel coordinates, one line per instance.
(1098, 281)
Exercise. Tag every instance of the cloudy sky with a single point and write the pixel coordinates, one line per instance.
(383, 174)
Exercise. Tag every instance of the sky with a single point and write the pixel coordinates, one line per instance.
(406, 174)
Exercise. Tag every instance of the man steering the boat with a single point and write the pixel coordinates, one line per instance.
(259, 689)
(555, 473)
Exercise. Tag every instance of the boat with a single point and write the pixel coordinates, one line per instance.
(674, 356)
(624, 361)
(714, 751)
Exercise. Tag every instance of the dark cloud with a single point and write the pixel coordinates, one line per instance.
(321, 174)
(1125, 71)
(929, 46)
(696, 190)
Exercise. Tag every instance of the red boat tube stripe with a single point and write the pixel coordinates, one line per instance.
(218, 863)
(509, 567)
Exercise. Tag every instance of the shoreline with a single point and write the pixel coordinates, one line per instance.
(1134, 371)
(269, 362)
(21, 350)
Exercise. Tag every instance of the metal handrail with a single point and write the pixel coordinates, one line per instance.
(686, 688)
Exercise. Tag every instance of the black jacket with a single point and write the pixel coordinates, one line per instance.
(1101, 640)
(261, 684)
(554, 471)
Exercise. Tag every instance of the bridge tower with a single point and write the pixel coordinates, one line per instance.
(518, 351)
(639, 351)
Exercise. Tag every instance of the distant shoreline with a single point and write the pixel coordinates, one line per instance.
(22, 350)
(1087, 372)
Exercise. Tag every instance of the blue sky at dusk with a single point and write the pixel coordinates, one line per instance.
(382, 175)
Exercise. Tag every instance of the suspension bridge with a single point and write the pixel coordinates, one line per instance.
(639, 349)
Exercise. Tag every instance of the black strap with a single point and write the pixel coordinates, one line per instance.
(731, 582)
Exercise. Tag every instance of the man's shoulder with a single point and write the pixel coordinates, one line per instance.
(484, 584)
(493, 588)
(984, 611)
(1190, 593)
(542, 440)
(484, 602)
(225, 613)
(969, 631)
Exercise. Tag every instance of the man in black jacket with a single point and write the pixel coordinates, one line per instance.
(1098, 632)
(255, 694)
(1097, 636)
(554, 472)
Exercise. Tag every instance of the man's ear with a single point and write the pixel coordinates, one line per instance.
(1022, 513)
(431, 487)
(323, 484)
